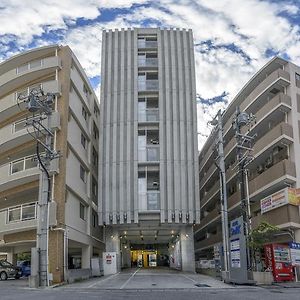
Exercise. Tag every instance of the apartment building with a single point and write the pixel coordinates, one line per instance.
(149, 189)
(74, 235)
(273, 96)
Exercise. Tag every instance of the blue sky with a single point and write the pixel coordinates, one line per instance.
(233, 38)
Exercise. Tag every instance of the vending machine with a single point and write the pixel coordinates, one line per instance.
(278, 260)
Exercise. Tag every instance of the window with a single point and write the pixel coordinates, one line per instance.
(95, 158)
(85, 90)
(83, 140)
(95, 219)
(21, 213)
(84, 113)
(82, 173)
(82, 211)
(94, 191)
(96, 110)
(31, 65)
(297, 77)
(95, 132)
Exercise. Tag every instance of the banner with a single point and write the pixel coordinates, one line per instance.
(283, 197)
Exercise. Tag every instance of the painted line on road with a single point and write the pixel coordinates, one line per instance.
(189, 278)
(105, 279)
(127, 281)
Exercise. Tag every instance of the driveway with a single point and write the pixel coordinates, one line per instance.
(140, 279)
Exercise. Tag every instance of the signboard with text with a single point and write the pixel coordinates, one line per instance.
(295, 253)
(283, 197)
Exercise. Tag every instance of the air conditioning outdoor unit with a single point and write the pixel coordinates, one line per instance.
(260, 169)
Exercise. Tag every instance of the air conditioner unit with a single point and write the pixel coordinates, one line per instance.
(155, 184)
(269, 161)
(154, 142)
(260, 169)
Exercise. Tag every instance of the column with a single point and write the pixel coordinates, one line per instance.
(86, 257)
(187, 249)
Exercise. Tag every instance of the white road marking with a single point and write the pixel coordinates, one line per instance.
(105, 279)
(127, 281)
(189, 278)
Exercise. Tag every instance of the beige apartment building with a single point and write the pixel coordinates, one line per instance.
(74, 235)
(273, 96)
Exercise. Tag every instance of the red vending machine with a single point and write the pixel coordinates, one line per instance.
(278, 260)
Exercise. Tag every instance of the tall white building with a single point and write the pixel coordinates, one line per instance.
(148, 180)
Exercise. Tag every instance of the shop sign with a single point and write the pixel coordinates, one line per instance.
(295, 253)
(235, 253)
(236, 227)
(283, 197)
(108, 259)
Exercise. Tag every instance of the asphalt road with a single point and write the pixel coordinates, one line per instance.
(146, 285)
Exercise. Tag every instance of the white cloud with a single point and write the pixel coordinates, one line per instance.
(250, 26)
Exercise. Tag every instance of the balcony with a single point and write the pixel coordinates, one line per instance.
(208, 242)
(18, 218)
(148, 85)
(278, 216)
(278, 175)
(212, 191)
(28, 73)
(147, 62)
(275, 107)
(149, 201)
(282, 133)
(149, 154)
(22, 171)
(16, 134)
(9, 104)
(148, 115)
(278, 79)
(144, 44)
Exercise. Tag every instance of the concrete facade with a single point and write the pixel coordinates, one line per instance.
(272, 95)
(74, 233)
(148, 132)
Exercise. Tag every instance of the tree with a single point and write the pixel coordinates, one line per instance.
(263, 234)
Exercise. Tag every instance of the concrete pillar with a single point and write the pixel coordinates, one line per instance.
(12, 257)
(126, 256)
(86, 257)
(56, 255)
(187, 249)
(112, 243)
(297, 235)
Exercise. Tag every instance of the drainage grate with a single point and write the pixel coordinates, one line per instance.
(202, 285)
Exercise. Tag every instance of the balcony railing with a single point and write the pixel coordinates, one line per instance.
(21, 213)
(23, 164)
(147, 62)
(149, 200)
(150, 153)
(148, 85)
(149, 115)
(147, 44)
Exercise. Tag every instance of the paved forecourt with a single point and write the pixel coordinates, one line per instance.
(160, 278)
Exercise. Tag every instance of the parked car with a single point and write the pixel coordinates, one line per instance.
(8, 270)
(25, 267)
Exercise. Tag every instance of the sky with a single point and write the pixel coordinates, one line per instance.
(233, 38)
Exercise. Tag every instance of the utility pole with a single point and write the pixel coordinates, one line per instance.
(41, 107)
(244, 157)
(220, 163)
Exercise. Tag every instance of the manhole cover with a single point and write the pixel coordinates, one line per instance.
(202, 285)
